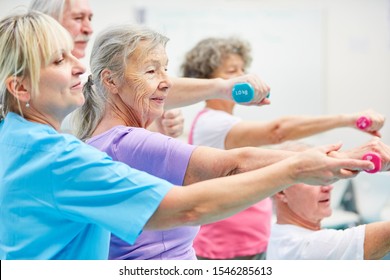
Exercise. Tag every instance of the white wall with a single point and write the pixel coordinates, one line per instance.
(318, 56)
(358, 59)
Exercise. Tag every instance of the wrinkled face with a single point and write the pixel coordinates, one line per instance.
(312, 203)
(77, 20)
(146, 83)
(231, 66)
(60, 88)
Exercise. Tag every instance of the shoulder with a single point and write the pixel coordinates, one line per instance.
(141, 137)
(217, 119)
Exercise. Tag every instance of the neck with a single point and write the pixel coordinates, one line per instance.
(117, 115)
(43, 119)
(221, 105)
(285, 215)
(56, 125)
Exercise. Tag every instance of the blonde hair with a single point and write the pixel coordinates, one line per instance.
(27, 43)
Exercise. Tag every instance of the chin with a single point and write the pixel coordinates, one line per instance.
(80, 102)
(75, 106)
(78, 53)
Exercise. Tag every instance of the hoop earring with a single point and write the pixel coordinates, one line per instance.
(27, 105)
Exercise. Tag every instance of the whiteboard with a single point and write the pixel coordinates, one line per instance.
(287, 49)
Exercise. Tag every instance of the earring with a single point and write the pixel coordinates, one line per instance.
(27, 105)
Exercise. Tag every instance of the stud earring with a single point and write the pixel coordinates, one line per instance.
(27, 105)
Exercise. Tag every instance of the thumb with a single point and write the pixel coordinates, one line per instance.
(376, 133)
(170, 114)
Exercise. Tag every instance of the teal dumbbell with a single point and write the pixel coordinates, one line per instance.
(243, 92)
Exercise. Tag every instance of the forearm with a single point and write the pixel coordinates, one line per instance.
(208, 163)
(254, 134)
(292, 128)
(249, 158)
(212, 200)
(296, 127)
(187, 91)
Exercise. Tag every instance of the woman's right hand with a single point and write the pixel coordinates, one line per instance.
(316, 166)
(260, 87)
(374, 145)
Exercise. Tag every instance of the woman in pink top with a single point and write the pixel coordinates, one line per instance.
(246, 234)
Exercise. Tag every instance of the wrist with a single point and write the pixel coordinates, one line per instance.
(223, 89)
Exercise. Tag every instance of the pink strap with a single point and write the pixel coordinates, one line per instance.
(191, 135)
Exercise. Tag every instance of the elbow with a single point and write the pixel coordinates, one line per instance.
(277, 136)
(165, 221)
(195, 217)
(201, 215)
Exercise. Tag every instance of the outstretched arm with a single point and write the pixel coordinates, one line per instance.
(208, 163)
(286, 128)
(216, 199)
(187, 91)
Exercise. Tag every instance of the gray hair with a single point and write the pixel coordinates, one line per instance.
(203, 59)
(111, 50)
(27, 43)
(54, 8)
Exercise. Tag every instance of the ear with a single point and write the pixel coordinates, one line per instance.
(108, 81)
(17, 87)
(281, 196)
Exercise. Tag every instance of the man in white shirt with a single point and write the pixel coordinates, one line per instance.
(297, 234)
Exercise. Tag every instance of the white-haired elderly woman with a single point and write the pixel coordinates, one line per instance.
(126, 91)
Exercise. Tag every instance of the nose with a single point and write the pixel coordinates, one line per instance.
(78, 68)
(327, 188)
(166, 82)
(86, 27)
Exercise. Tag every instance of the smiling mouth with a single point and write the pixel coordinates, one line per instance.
(158, 98)
(78, 85)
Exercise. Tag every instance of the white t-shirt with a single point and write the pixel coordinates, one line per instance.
(290, 242)
(211, 127)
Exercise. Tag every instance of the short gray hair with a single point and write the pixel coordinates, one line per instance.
(53, 8)
(208, 54)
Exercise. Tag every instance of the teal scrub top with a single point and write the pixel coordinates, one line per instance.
(61, 198)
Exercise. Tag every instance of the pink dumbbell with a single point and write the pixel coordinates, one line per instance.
(363, 122)
(375, 159)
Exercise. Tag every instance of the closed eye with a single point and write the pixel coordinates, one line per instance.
(59, 60)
